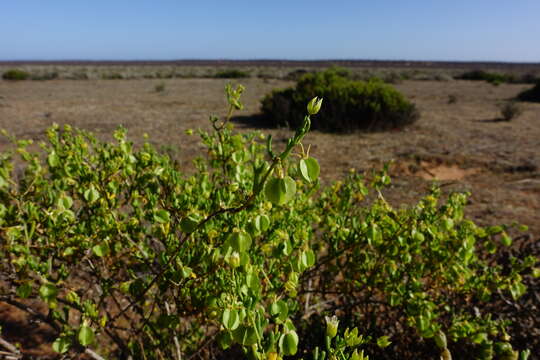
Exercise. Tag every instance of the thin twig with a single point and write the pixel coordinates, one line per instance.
(10, 347)
(93, 354)
(176, 343)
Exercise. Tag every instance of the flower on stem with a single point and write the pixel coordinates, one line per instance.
(314, 105)
(332, 324)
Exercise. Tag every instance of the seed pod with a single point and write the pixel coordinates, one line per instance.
(279, 191)
(309, 169)
(288, 343)
(440, 340)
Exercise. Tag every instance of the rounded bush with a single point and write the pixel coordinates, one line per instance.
(15, 74)
(231, 74)
(532, 94)
(348, 105)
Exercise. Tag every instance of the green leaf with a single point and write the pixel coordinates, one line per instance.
(288, 343)
(245, 335)
(61, 344)
(189, 224)
(65, 202)
(101, 250)
(161, 216)
(24, 290)
(262, 222)
(230, 319)
(48, 291)
(86, 335)
(309, 169)
(91, 194)
(239, 241)
(505, 239)
(279, 310)
(53, 159)
(279, 191)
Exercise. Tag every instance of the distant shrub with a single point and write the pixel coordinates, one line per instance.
(45, 76)
(159, 87)
(491, 77)
(532, 94)
(452, 99)
(15, 74)
(112, 76)
(231, 74)
(295, 75)
(510, 110)
(443, 77)
(349, 105)
(392, 78)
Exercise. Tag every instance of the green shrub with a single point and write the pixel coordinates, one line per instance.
(112, 76)
(15, 74)
(532, 94)
(231, 74)
(491, 77)
(349, 105)
(124, 248)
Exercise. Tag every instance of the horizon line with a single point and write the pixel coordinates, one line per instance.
(269, 62)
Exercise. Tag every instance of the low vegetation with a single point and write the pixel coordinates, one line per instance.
(510, 110)
(247, 257)
(532, 94)
(350, 105)
(496, 78)
(232, 74)
(15, 74)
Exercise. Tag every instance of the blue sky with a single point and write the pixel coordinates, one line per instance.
(475, 30)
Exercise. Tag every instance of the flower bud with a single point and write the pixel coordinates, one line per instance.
(356, 356)
(234, 259)
(332, 324)
(445, 355)
(314, 105)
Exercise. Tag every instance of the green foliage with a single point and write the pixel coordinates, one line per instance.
(491, 77)
(349, 105)
(231, 74)
(125, 248)
(15, 74)
(112, 76)
(532, 94)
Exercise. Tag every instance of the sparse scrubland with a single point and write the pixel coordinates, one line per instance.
(258, 249)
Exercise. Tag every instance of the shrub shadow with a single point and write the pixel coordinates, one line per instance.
(257, 121)
(494, 120)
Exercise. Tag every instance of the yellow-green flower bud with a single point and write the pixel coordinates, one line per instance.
(356, 356)
(445, 355)
(332, 324)
(234, 259)
(314, 105)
